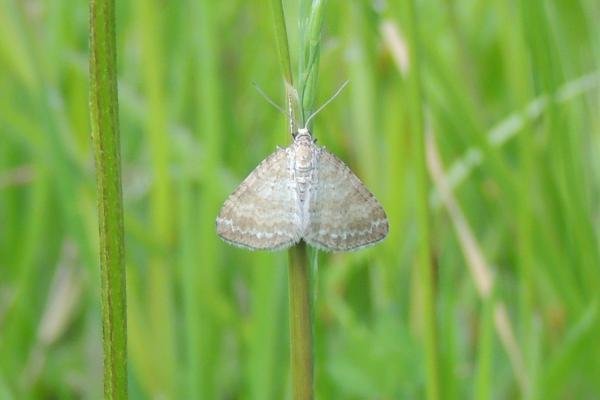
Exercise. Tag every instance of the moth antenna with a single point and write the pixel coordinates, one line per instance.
(268, 99)
(342, 86)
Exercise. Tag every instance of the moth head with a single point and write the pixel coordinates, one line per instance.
(302, 132)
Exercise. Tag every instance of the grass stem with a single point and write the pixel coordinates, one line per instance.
(105, 135)
(300, 323)
(301, 343)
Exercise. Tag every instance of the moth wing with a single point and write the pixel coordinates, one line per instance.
(343, 215)
(263, 212)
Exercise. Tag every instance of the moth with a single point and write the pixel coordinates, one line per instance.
(302, 192)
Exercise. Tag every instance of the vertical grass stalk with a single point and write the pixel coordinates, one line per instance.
(301, 100)
(301, 341)
(423, 219)
(105, 136)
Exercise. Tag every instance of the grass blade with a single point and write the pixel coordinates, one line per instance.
(283, 55)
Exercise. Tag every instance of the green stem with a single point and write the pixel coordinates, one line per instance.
(283, 54)
(300, 323)
(105, 136)
(423, 217)
(301, 345)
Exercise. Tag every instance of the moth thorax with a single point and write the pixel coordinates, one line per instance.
(304, 155)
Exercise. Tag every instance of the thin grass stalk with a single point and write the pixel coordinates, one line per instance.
(301, 340)
(311, 22)
(425, 271)
(105, 136)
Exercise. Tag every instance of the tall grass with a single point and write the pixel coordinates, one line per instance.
(510, 93)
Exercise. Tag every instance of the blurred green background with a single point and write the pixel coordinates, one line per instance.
(512, 100)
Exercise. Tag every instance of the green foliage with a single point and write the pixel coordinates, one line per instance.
(510, 91)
